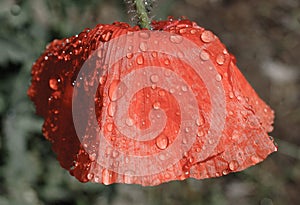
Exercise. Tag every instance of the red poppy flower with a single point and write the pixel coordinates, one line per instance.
(125, 105)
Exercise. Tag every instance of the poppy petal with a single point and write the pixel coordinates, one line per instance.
(124, 105)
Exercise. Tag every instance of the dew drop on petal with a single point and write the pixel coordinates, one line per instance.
(255, 159)
(154, 54)
(129, 122)
(218, 77)
(220, 59)
(233, 165)
(140, 60)
(116, 90)
(143, 46)
(54, 83)
(161, 93)
(101, 80)
(90, 176)
(176, 39)
(156, 105)
(162, 142)
(207, 36)
(167, 61)
(204, 55)
(180, 54)
(129, 55)
(154, 78)
(109, 127)
(144, 34)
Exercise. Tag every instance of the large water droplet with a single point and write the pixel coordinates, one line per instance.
(207, 36)
(162, 142)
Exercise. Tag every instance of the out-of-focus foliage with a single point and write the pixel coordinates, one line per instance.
(264, 35)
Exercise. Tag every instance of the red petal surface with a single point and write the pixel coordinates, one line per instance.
(123, 105)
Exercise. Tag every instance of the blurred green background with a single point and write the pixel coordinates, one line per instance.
(264, 35)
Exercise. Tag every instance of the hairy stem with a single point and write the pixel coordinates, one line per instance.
(140, 10)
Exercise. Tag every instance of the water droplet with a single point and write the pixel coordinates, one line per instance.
(162, 142)
(154, 78)
(115, 153)
(143, 46)
(231, 95)
(46, 58)
(184, 88)
(193, 31)
(90, 176)
(116, 90)
(172, 90)
(204, 55)
(102, 80)
(182, 30)
(218, 77)
(207, 36)
(106, 176)
(129, 55)
(167, 73)
(112, 109)
(161, 93)
(176, 39)
(220, 59)
(162, 157)
(200, 133)
(187, 129)
(156, 105)
(200, 121)
(106, 36)
(129, 122)
(233, 165)
(54, 83)
(140, 60)
(225, 172)
(167, 61)
(180, 54)
(255, 159)
(144, 34)
(211, 141)
(154, 54)
(109, 127)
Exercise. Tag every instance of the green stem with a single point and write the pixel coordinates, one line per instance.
(144, 20)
